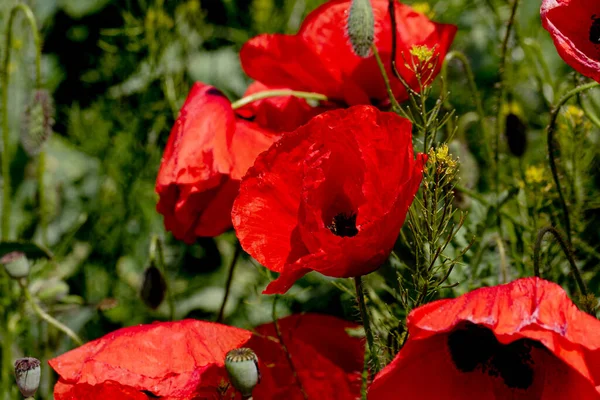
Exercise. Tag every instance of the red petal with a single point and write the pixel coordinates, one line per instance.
(319, 58)
(424, 370)
(281, 113)
(327, 361)
(328, 167)
(167, 359)
(527, 308)
(103, 391)
(207, 152)
(569, 24)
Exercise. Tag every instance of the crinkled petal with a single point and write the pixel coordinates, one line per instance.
(571, 23)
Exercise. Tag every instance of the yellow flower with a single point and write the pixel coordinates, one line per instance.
(534, 174)
(423, 53)
(424, 8)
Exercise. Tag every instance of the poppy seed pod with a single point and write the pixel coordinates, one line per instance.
(37, 122)
(242, 368)
(516, 134)
(27, 373)
(16, 264)
(153, 287)
(361, 27)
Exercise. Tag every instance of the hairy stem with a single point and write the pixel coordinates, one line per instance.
(566, 248)
(551, 128)
(360, 297)
(386, 80)
(285, 349)
(277, 93)
(47, 317)
(236, 255)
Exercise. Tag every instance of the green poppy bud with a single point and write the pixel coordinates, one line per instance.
(27, 373)
(361, 27)
(16, 264)
(242, 367)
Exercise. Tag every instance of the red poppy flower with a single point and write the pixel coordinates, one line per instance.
(319, 57)
(522, 340)
(330, 196)
(209, 150)
(575, 28)
(185, 360)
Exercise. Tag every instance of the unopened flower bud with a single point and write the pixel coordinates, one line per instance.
(16, 264)
(154, 287)
(38, 121)
(27, 373)
(242, 367)
(516, 134)
(361, 27)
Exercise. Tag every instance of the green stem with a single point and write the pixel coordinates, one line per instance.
(6, 156)
(501, 95)
(157, 256)
(236, 255)
(565, 248)
(47, 317)
(386, 79)
(42, 197)
(474, 92)
(277, 93)
(551, 150)
(360, 297)
(285, 349)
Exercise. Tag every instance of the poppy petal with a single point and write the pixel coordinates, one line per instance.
(575, 29)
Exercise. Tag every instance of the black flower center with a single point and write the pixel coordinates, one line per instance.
(475, 347)
(595, 30)
(344, 225)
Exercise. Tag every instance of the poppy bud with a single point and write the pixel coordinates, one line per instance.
(516, 134)
(37, 122)
(361, 27)
(153, 287)
(27, 373)
(16, 264)
(242, 368)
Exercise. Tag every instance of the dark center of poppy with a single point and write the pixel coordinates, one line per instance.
(344, 225)
(476, 347)
(595, 30)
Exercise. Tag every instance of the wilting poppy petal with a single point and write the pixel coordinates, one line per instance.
(575, 28)
(185, 360)
(318, 200)
(209, 150)
(522, 340)
(319, 57)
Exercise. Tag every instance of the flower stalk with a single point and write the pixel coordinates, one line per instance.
(360, 298)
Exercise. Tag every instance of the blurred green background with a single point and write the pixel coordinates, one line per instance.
(119, 70)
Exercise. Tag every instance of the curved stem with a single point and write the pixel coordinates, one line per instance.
(236, 255)
(472, 88)
(551, 149)
(565, 248)
(47, 317)
(277, 93)
(360, 297)
(6, 189)
(386, 80)
(285, 349)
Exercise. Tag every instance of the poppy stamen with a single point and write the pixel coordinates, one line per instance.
(344, 225)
